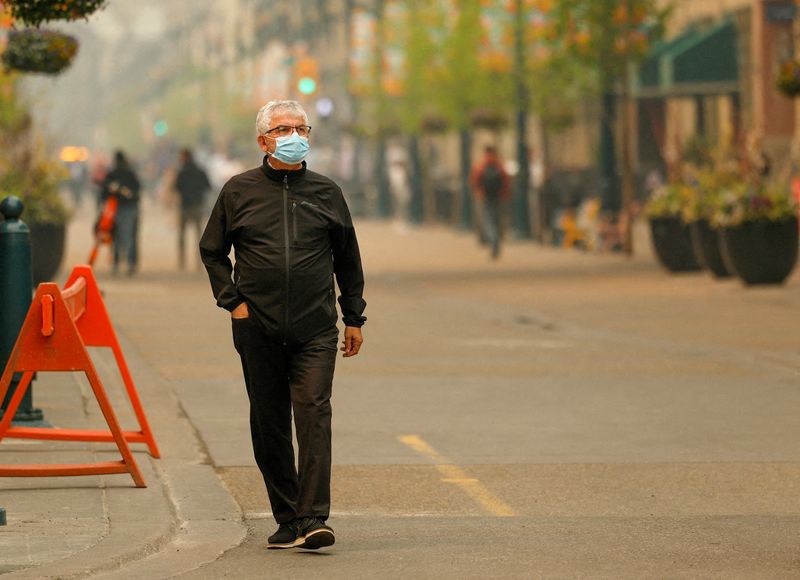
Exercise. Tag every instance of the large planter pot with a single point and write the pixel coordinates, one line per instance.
(47, 250)
(706, 244)
(761, 252)
(673, 244)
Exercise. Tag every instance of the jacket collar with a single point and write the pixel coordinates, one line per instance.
(280, 174)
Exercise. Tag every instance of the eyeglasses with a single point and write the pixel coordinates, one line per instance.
(286, 130)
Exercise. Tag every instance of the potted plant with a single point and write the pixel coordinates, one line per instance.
(39, 51)
(698, 212)
(34, 12)
(671, 237)
(759, 232)
(27, 172)
(36, 182)
(788, 79)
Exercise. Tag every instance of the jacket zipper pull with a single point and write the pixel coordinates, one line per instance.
(294, 220)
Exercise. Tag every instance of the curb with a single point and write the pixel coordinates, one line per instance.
(184, 519)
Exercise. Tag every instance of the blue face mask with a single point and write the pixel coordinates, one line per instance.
(292, 149)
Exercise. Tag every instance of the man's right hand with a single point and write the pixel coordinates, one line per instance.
(240, 311)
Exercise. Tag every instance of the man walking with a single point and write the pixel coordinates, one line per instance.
(123, 183)
(492, 187)
(191, 183)
(292, 234)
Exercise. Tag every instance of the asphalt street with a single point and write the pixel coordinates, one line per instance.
(553, 414)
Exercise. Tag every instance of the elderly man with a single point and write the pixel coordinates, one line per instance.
(292, 233)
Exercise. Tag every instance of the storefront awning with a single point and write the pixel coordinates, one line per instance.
(700, 61)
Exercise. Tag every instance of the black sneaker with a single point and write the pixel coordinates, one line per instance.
(284, 537)
(312, 534)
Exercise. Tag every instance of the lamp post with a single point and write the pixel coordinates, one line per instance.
(384, 201)
(16, 289)
(522, 221)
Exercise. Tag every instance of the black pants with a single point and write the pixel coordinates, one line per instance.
(281, 379)
(190, 216)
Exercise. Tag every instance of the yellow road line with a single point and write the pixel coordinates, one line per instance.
(455, 475)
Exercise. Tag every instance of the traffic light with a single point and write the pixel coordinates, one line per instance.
(306, 74)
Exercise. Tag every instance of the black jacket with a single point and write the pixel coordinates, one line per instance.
(122, 182)
(191, 184)
(291, 232)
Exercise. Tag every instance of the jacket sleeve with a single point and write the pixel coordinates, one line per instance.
(215, 245)
(347, 266)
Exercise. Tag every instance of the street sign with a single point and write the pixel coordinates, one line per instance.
(781, 12)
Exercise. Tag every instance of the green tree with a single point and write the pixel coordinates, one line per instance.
(416, 104)
(609, 37)
(462, 88)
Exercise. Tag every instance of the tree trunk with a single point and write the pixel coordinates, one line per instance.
(382, 180)
(416, 210)
(522, 219)
(610, 195)
(466, 190)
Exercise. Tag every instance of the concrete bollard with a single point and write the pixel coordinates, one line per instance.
(16, 289)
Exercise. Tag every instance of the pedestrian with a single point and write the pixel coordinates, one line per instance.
(123, 183)
(191, 183)
(492, 187)
(76, 182)
(292, 233)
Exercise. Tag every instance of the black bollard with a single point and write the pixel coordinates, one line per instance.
(2, 516)
(16, 289)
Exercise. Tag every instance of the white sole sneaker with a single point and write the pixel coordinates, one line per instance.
(316, 539)
(280, 546)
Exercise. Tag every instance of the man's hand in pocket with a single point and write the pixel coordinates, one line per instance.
(240, 311)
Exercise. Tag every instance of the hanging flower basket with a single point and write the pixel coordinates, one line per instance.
(788, 81)
(494, 120)
(39, 51)
(434, 124)
(34, 12)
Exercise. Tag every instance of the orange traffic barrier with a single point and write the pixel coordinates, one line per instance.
(105, 227)
(60, 324)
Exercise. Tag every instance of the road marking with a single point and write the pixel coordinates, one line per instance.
(455, 475)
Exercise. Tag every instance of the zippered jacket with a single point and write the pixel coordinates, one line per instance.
(291, 233)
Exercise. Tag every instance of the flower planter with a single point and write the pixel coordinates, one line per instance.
(47, 250)
(706, 244)
(788, 80)
(761, 251)
(34, 12)
(673, 244)
(39, 51)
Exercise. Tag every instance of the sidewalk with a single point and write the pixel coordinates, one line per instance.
(102, 526)
(176, 344)
(98, 525)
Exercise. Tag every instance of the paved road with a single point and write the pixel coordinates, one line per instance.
(553, 414)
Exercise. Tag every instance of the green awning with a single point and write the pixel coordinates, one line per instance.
(700, 61)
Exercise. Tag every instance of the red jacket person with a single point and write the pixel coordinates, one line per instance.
(292, 234)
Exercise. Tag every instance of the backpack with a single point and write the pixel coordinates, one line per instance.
(491, 180)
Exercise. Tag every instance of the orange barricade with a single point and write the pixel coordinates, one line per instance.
(105, 227)
(58, 328)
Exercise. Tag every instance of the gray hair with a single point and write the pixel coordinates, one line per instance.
(264, 117)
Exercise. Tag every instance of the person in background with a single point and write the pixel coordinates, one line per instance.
(123, 183)
(492, 187)
(191, 183)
